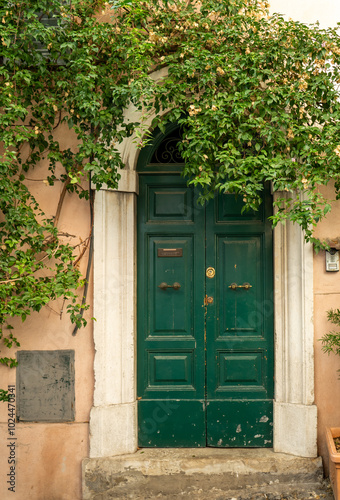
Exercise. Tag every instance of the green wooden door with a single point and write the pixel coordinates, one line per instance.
(205, 319)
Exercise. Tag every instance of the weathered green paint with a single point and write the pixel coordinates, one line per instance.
(239, 324)
(240, 423)
(171, 354)
(205, 371)
(172, 423)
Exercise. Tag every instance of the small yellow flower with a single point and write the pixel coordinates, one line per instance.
(220, 71)
(193, 110)
(214, 108)
(303, 84)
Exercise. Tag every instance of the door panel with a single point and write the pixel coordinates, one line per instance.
(171, 355)
(171, 309)
(205, 366)
(228, 208)
(239, 264)
(239, 335)
(170, 203)
(240, 423)
(171, 423)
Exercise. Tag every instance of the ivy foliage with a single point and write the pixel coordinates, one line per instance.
(256, 97)
(331, 340)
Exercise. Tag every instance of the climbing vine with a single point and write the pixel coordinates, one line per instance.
(256, 97)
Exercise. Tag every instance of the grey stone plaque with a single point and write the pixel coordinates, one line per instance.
(45, 386)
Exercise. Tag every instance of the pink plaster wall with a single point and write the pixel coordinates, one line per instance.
(326, 296)
(49, 455)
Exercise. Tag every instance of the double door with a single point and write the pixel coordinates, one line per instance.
(205, 318)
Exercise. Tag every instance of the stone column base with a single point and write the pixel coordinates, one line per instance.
(113, 430)
(295, 429)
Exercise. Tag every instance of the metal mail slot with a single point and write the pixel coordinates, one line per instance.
(170, 252)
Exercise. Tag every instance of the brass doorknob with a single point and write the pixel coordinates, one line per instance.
(246, 286)
(165, 286)
(210, 272)
(208, 300)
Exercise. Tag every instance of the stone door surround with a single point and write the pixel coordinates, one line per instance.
(113, 419)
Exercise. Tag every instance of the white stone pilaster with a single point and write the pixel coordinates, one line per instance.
(295, 429)
(113, 426)
(113, 430)
(295, 415)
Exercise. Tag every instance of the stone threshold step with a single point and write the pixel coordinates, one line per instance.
(197, 472)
